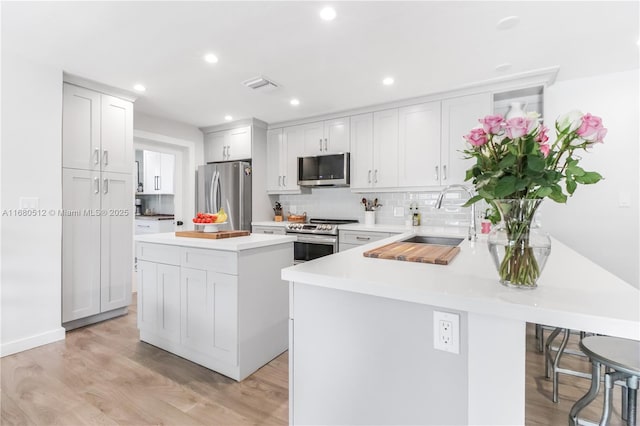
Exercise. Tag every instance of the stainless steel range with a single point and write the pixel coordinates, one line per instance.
(316, 239)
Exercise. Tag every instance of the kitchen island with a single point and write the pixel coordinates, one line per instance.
(362, 334)
(219, 303)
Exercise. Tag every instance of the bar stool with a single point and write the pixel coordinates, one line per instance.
(621, 357)
(553, 355)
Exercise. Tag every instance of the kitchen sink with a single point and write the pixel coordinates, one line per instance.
(427, 239)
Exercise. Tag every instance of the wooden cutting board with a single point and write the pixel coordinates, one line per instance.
(212, 235)
(415, 252)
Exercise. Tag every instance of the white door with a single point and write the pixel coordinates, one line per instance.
(80, 244)
(361, 151)
(151, 164)
(168, 291)
(336, 135)
(167, 172)
(459, 116)
(215, 147)
(148, 295)
(80, 128)
(116, 135)
(225, 316)
(419, 145)
(385, 151)
(116, 240)
(293, 143)
(239, 145)
(314, 143)
(195, 311)
(275, 160)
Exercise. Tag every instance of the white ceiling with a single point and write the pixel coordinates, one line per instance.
(330, 66)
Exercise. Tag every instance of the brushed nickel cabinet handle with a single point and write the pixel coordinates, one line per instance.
(96, 154)
(369, 177)
(105, 157)
(437, 173)
(96, 183)
(444, 172)
(105, 185)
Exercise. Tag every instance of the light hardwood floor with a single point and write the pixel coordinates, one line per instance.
(103, 375)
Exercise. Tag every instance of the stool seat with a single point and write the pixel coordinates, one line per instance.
(621, 357)
(620, 354)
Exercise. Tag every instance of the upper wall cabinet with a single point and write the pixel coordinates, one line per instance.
(97, 131)
(228, 145)
(159, 171)
(419, 145)
(459, 116)
(326, 137)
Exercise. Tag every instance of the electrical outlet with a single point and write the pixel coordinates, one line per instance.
(398, 211)
(293, 209)
(446, 332)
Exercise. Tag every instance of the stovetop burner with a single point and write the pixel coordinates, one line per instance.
(318, 226)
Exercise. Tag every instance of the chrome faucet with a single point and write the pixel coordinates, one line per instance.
(472, 225)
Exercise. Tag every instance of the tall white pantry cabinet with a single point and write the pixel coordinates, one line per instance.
(97, 194)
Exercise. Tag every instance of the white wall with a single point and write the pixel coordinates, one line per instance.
(593, 222)
(31, 167)
(166, 127)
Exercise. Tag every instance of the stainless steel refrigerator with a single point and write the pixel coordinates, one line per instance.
(226, 185)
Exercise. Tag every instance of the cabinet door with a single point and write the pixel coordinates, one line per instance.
(361, 151)
(275, 159)
(239, 144)
(168, 290)
(215, 146)
(385, 148)
(116, 240)
(80, 128)
(293, 146)
(148, 297)
(209, 307)
(336, 135)
(80, 244)
(419, 145)
(459, 116)
(167, 172)
(117, 135)
(151, 165)
(313, 134)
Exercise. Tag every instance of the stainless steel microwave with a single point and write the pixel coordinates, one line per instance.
(324, 170)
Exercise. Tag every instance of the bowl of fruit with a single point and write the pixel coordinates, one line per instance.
(210, 222)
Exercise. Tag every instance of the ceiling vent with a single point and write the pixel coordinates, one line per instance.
(260, 83)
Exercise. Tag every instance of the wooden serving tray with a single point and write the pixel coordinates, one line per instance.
(415, 252)
(212, 235)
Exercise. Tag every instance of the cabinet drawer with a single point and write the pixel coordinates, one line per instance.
(210, 260)
(158, 253)
(355, 237)
(147, 227)
(275, 230)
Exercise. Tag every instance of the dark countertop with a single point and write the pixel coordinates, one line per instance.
(155, 217)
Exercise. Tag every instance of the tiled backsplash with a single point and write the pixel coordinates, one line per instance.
(343, 204)
(159, 204)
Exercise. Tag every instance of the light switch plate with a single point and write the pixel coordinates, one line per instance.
(29, 203)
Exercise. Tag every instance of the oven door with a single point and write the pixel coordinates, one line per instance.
(309, 247)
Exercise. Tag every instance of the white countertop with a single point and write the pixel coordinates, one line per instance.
(378, 227)
(227, 244)
(572, 292)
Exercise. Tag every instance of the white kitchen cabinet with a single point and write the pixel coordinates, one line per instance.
(159, 299)
(228, 145)
(284, 146)
(327, 137)
(459, 116)
(419, 145)
(209, 312)
(96, 243)
(97, 131)
(351, 239)
(272, 230)
(374, 150)
(159, 171)
(97, 198)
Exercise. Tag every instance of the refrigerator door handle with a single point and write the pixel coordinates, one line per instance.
(218, 196)
(209, 202)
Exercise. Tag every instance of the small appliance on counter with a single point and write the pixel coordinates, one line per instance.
(139, 207)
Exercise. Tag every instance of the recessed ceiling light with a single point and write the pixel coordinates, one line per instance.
(503, 67)
(508, 22)
(211, 58)
(328, 14)
(228, 117)
(294, 102)
(388, 81)
(139, 88)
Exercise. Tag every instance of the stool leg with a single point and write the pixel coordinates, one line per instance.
(547, 352)
(624, 393)
(589, 396)
(609, 381)
(632, 400)
(556, 363)
(540, 338)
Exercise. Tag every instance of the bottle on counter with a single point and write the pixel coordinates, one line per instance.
(415, 215)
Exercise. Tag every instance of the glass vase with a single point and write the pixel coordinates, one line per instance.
(519, 248)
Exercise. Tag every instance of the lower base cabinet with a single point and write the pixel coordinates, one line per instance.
(227, 311)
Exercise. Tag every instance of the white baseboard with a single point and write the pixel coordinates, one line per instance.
(31, 342)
